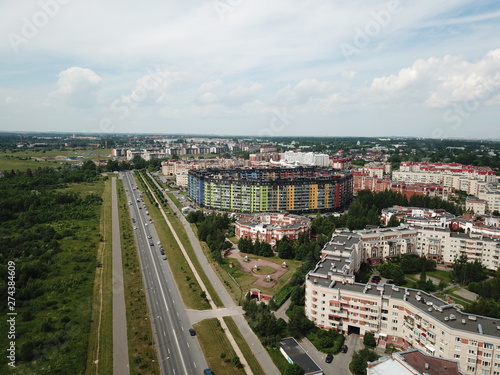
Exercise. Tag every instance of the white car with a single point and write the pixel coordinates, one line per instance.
(146, 224)
(135, 228)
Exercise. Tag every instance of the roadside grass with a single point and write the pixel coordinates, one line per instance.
(216, 347)
(100, 349)
(142, 353)
(451, 292)
(243, 345)
(279, 360)
(175, 200)
(188, 287)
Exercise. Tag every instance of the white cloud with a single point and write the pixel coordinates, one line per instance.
(77, 86)
(10, 100)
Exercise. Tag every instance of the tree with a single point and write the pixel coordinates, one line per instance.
(465, 272)
(369, 340)
(393, 221)
(360, 360)
(293, 369)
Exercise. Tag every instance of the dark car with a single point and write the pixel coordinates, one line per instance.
(378, 278)
(192, 332)
(151, 244)
(390, 282)
(207, 371)
(329, 358)
(344, 348)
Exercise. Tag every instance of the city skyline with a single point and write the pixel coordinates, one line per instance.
(241, 68)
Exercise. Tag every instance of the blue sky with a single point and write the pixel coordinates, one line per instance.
(425, 68)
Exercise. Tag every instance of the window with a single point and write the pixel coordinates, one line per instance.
(471, 369)
(486, 364)
(394, 321)
(486, 355)
(472, 351)
(473, 342)
(458, 348)
(395, 338)
(456, 356)
(471, 360)
(488, 346)
(394, 328)
(395, 314)
(395, 307)
(458, 339)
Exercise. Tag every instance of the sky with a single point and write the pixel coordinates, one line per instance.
(427, 68)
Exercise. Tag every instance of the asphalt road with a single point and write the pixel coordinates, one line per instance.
(254, 343)
(179, 353)
(120, 343)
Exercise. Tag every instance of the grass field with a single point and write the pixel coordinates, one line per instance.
(216, 347)
(142, 354)
(22, 159)
(100, 351)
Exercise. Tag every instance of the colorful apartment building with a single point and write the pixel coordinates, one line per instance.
(297, 190)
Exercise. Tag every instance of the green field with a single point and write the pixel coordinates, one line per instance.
(33, 159)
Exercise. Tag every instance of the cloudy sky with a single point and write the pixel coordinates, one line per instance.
(428, 68)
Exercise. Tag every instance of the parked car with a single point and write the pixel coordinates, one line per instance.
(329, 358)
(207, 371)
(192, 332)
(344, 348)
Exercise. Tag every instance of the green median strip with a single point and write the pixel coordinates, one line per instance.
(243, 345)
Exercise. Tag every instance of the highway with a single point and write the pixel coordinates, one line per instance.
(179, 353)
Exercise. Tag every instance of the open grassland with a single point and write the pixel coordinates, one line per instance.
(100, 352)
(27, 158)
(188, 287)
(243, 345)
(142, 353)
(216, 347)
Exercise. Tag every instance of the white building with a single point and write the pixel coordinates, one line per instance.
(403, 317)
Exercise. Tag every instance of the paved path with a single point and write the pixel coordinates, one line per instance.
(120, 344)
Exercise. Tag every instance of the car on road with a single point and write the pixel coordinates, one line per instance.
(150, 236)
(164, 257)
(146, 224)
(329, 358)
(135, 228)
(192, 332)
(151, 244)
(207, 371)
(344, 348)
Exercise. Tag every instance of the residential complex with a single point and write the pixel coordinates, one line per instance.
(402, 317)
(298, 190)
(461, 177)
(272, 227)
(424, 217)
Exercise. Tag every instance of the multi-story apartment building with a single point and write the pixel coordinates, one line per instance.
(461, 177)
(306, 158)
(402, 317)
(301, 190)
(272, 227)
(418, 216)
(491, 194)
